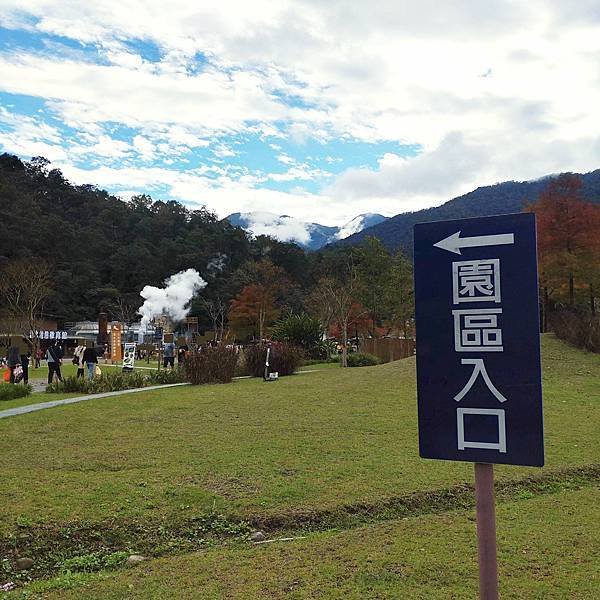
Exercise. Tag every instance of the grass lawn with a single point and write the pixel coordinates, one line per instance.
(310, 441)
(272, 453)
(406, 558)
(34, 398)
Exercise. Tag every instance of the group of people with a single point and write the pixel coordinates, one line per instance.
(17, 365)
(86, 357)
(170, 350)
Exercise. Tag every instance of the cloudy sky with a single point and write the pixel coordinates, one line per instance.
(319, 110)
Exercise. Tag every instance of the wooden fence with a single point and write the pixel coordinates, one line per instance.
(388, 349)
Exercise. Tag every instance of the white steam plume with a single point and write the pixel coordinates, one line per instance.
(173, 299)
(217, 264)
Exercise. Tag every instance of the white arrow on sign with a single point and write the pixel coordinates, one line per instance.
(453, 243)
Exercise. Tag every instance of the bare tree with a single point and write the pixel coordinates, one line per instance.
(339, 297)
(124, 309)
(24, 289)
(216, 310)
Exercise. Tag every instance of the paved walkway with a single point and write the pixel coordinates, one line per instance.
(21, 410)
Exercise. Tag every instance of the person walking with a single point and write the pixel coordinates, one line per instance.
(12, 361)
(78, 360)
(53, 355)
(90, 358)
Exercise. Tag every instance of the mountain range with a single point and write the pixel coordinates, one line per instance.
(396, 232)
(501, 198)
(311, 236)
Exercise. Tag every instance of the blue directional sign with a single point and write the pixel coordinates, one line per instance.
(478, 350)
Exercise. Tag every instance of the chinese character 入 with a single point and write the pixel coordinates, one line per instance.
(476, 281)
(476, 329)
(479, 369)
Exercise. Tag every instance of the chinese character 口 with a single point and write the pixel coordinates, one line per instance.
(476, 330)
(476, 281)
(463, 443)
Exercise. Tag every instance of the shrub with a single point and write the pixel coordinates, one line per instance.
(68, 385)
(113, 381)
(284, 358)
(300, 330)
(94, 561)
(359, 359)
(325, 349)
(10, 391)
(211, 365)
(164, 376)
(579, 329)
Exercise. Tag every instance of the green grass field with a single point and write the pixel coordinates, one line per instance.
(332, 448)
(431, 557)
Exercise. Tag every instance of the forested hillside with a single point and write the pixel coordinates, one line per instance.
(101, 250)
(502, 198)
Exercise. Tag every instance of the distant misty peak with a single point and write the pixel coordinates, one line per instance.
(309, 235)
(358, 224)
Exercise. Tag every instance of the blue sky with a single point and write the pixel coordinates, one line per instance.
(317, 110)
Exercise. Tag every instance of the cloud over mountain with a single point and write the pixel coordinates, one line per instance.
(309, 235)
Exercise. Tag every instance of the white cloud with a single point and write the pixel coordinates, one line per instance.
(285, 229)
(393, 70)
(144, 147)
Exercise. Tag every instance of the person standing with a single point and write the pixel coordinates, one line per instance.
(182, 354)
(38, 357)
(12, 361)
(25, 358)
(78, 360)
(90, 358)
(169, 356)
(53, 355)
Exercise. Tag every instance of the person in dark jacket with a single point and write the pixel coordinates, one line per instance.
(12, 361)
(53, 356)
(90, 358)
(25, 358)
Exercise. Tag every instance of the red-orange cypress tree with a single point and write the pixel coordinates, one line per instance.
(568, 230)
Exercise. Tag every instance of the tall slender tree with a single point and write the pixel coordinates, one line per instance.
(568, 231)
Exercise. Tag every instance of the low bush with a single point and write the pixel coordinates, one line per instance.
(579, 329)
(284, 358)
(211, 365)
(165, 377)
(10, 391)
(94, 561)
(360, 359)
(114, 381)
(322, 361)
(68, 385)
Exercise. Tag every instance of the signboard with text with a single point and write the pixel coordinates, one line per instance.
(478, 354)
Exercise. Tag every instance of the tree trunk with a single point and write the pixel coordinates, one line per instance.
(345, 343)
(592, 300)
(261, 321)
(571, 290)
